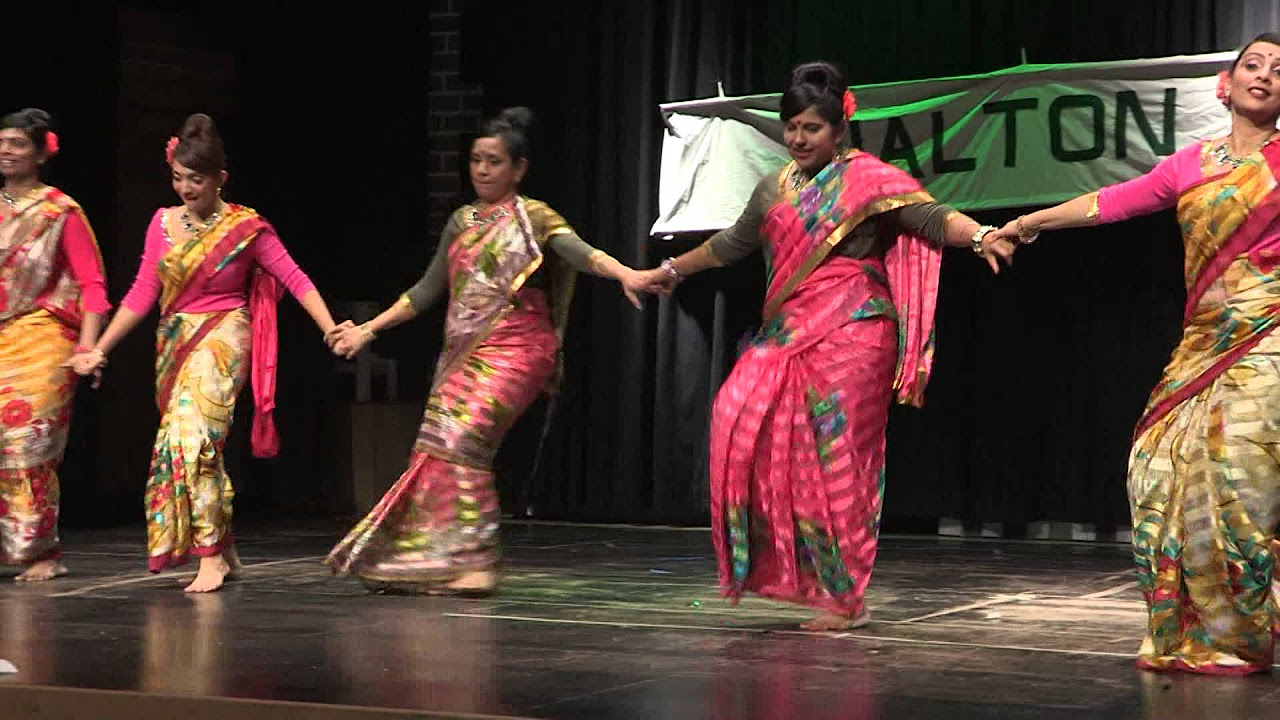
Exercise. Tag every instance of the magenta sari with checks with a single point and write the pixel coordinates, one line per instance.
(798, 429)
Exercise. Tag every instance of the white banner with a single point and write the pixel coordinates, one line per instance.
(1030, 135)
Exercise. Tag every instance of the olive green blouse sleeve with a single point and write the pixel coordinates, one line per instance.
(743, 237)
(431, 287)
(927, 219)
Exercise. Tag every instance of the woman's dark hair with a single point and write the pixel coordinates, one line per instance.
(817, 84)
(200, 146)
(1266, 37)
(33, 122)
(512, 128)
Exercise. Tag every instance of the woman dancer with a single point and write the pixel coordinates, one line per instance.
(214, 267)
(508, 263)
(1204, 470)
(798, 428)
(52, 297)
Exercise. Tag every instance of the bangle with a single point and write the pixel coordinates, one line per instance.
(1092, 213)
(669, 267)
(80, 349)
(368, 334)
(1025, 236)
(979, 236)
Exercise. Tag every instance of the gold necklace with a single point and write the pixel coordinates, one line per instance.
(797, 180)
(193, 229)
(13, 201)
(1222, 153)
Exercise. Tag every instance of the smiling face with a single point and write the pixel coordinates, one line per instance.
(811, 140)
(19, 158)
(198, 191)
(1255, 81)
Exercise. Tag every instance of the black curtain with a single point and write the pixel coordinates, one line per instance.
(66, 64)
(1041, 372)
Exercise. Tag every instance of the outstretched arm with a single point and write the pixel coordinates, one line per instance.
(135, 306)
(725, 247)
(274, 258)
(584, 258)
(945, 225)
(1154, 191)
(347, 339)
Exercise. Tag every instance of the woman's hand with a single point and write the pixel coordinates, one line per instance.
(658, 281)
(999, 245)
(349, 341)
(332, 336)
(88, 362)
(634, 285)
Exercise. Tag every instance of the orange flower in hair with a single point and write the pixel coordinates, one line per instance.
(169, 148)
(1223, 91)
(850, 105)
(50, 143)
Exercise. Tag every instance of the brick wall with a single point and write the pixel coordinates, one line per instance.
(453, 110)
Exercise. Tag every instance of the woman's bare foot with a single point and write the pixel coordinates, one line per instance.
(477, 582)
(42, 571)
(830, 622)
(213, 571)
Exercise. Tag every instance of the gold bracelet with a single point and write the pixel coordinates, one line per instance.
(368, 334)
(1024, 236)
(1092, 213)
(978, 236)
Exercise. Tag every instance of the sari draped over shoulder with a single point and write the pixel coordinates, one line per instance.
(40, 315)
(1204, 473)
(798, 428)
(202, 362)
(502, 341)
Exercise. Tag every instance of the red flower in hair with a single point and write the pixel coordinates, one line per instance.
(1224, 89)
(850, 105)
(169, 148)
(50, 143)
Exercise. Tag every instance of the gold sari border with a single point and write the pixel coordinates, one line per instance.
(516, 284)
(172, 285)
(883, 205)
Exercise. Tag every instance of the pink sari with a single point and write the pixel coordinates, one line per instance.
(798, 429)
(502, 339)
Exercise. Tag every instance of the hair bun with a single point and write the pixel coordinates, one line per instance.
(30, 119)
(520, 118)
(822, 75)
(198, 127)
(200, 147)
(37, 117)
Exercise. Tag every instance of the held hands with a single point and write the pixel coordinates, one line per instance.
(88, 362)
(997, 246)
(633, 285)
(347, 339)
(1003, 242)
(648, 282)
(657, 281)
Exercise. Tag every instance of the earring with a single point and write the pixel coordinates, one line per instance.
(219, 192)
